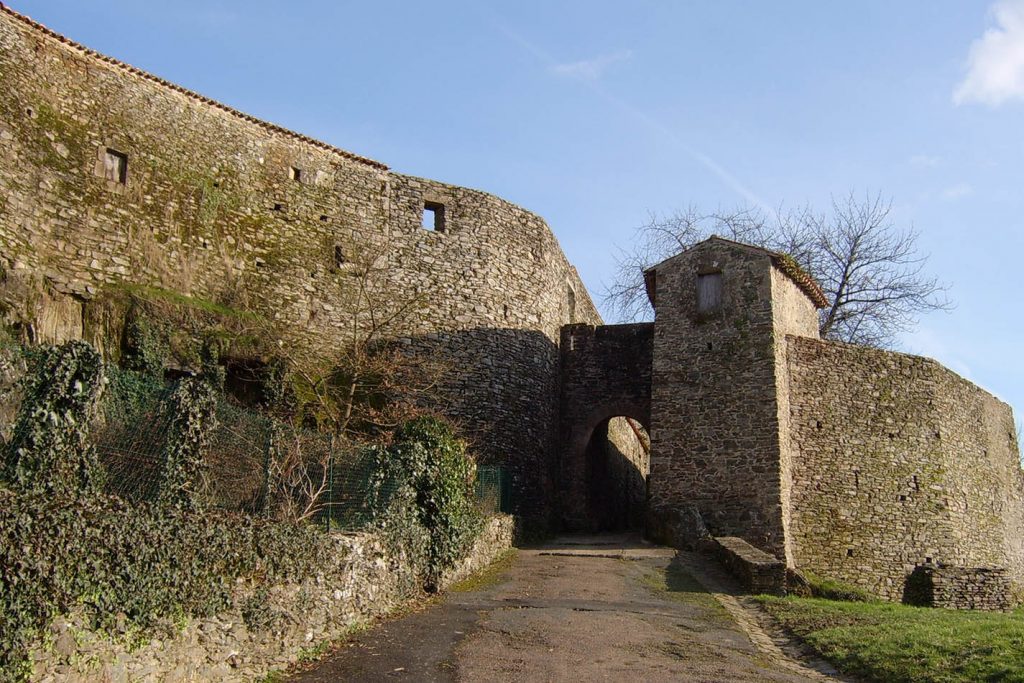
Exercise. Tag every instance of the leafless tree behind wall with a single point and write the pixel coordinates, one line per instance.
(869, 268)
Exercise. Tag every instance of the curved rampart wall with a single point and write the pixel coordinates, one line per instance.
(209, 208)
(896, 462)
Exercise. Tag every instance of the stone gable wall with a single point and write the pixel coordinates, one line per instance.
(898, 462)
(209, 210)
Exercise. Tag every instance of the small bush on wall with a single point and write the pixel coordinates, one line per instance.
(424, 489)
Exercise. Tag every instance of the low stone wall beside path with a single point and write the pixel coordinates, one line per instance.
(266, 629)
(757, 571)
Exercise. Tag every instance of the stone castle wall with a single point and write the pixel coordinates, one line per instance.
(794, 314)
(897, 462)
(210, 208)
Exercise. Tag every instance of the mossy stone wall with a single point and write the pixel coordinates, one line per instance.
(898, 462)
(210, 210)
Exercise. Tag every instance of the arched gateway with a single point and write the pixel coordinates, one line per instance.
(605, 374)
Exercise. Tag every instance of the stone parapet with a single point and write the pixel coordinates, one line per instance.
(267, 628)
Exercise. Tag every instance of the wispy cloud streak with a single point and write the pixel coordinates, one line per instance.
(642, 117)
(590, 69)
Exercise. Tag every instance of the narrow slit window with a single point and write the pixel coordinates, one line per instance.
(295, 173)
(115, 166)
(339, 256)
(571, 304)
(709, 292)
(433, 216)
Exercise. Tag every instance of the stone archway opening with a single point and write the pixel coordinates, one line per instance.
(616, 470)
(605, 413)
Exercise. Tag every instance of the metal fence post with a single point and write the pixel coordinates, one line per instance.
(330, 489)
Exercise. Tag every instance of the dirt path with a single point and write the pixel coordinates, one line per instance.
(581, 609)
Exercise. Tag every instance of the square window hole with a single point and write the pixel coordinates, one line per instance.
(295, 173)
(433, 216)
(115, 166)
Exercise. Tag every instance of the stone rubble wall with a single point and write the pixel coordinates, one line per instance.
(981, 588)
(898, 462)
(209, 210)
(266, 630)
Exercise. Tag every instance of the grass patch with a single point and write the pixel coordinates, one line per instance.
(675, 583)
(830, 589)
(881, 641)
(487, 577)
(151, 293)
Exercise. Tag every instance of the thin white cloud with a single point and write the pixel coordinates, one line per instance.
(925, 161)
(590, 69)
(668, 134)
(958, 191)
(995, 63)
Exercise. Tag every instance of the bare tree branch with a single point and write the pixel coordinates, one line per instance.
(870, 270)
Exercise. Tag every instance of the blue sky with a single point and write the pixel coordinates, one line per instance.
(594, 114)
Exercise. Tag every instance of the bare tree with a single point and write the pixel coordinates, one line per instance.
(870, 270)
(353, 395)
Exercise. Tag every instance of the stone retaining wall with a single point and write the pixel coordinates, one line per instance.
(982, 588)
(267, 629)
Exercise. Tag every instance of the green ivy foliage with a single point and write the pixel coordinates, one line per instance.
(65, 545)
(145, 344)
(148, 563)
(49, 450)
(129, 394)
(423, 492)
(183, 482)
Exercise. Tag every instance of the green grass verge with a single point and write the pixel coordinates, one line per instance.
(880, 641)
(487, 577)
(830, 589)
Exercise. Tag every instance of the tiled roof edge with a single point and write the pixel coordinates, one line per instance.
(806, 283)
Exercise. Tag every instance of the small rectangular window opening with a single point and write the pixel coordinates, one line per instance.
(433, 216)
(709, 292)
(339, 256)
(115, 166)
(571, 304)
(295, 173)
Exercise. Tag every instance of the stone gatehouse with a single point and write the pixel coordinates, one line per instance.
(854, 463)
(851, 462)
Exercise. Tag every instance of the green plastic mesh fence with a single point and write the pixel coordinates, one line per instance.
(492, 489)
(255, 465)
